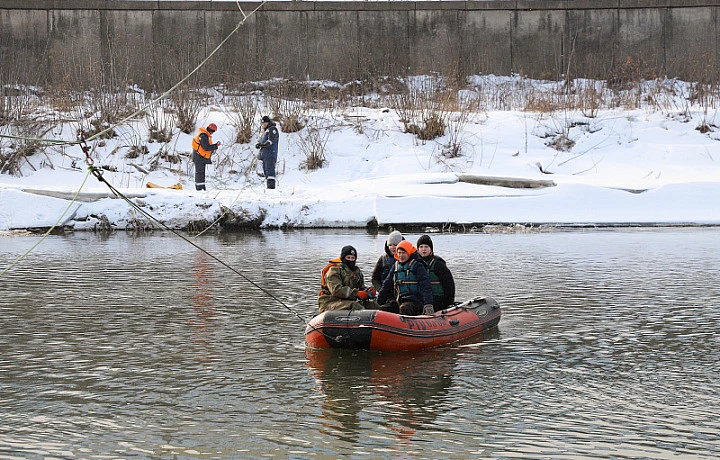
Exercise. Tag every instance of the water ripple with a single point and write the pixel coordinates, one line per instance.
(140, 347)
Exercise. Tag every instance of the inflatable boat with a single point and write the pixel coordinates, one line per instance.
(381, 330)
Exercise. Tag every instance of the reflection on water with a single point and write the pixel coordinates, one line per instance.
(405, 387)
(202, 302)
(127, 346)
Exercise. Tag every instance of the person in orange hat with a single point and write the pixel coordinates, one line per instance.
(407, 289)
(203, 149)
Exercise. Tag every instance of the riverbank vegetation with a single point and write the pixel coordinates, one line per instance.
(37, 122)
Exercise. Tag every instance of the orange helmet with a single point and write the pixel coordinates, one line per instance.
(212, 127)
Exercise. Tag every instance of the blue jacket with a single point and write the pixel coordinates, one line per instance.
(269, 143)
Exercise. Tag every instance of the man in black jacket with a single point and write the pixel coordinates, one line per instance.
(441, 280)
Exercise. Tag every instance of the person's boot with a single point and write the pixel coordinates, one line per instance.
(270, 182)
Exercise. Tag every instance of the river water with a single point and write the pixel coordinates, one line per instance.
(126, 346)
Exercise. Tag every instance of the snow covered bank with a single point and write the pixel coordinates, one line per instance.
(636, 167)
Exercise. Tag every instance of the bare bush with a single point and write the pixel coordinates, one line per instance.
(28, 144)
(243, 111)
(408, 105)
(95, 127)
(561, 143)
(16, 102)
(434, 127)
(136, 151)
(589, 98)
(187, 103)
(135, 142)
(287, 101)
(456, 126)
(160, 124)
(705, 91)
(104, 110)
(163, 158)
(291, 124)
(312, 144)
(424, 106)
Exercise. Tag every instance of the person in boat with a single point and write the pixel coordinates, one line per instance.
(387, 260)
(343, 285)
(441, 279)
(407, 289)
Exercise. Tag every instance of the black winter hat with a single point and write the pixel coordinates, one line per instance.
(425, 240)
(347, 251)
(265, 119)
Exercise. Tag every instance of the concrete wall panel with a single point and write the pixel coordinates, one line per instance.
(126, 39)
(591, 42)
(486, 42)
(179, 45)
(641, 41)
(74, 51)
(333, 49)
(154, 43)
(23, 46)
(435, 42)
(237, 60)
(537, 45)
(282, 44)
(384, 42)
(691, 43)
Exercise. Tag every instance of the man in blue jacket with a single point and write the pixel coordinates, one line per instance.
(268, 146)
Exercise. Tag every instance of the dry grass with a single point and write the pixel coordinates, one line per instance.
(186, 105)
(243, 112)
(432, 108)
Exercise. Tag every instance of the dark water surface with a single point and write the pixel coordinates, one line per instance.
(143, 347)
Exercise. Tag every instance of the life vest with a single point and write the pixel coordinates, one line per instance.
(437, 288)
(333, 263)
(406, 282)
(196, 143)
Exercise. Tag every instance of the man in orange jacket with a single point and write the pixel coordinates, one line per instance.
(203, 148)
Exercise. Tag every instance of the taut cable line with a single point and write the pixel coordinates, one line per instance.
(98, 174)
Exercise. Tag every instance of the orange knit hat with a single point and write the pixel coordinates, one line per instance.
(406, 246)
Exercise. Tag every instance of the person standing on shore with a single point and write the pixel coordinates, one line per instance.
(268, 145)
(203, 149)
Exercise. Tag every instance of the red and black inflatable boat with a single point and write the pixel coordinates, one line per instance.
(381, 330)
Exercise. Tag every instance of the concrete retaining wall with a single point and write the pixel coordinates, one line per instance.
(86, 42)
